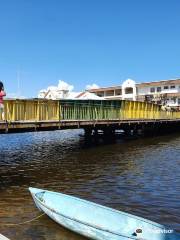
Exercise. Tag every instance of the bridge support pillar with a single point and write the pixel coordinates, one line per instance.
(109, 134)
(88, 132)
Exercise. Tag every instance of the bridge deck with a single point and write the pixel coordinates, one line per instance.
(27, 126)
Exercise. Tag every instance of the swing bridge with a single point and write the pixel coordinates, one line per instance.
(24, 115)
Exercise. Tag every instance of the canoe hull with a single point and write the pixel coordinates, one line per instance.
(75, 226)
(2, 237)
(95, 221)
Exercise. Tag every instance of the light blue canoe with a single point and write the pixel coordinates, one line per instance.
(2, 237)
(95, 221)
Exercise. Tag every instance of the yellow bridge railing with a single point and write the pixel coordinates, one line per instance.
(55, 110)
(31, 110)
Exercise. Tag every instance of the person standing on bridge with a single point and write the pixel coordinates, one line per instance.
(2, 94)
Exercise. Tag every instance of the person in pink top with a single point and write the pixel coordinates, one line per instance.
(2, 94)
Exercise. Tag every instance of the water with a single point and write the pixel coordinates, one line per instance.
(140, 176)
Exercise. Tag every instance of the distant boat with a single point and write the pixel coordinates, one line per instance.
(95, 221)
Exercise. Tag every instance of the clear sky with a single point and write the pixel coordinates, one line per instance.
(87, 41)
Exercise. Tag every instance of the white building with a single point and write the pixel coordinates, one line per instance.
(88, 95)
(161, 92)
(64, 91)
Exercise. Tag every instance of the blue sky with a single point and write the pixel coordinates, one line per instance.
(87, 41)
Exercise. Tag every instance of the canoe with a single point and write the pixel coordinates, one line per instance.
(96, 221)
(2, 237)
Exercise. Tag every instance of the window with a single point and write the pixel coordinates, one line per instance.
(166, 87)
(109, 93)
(118, 92)
(174, 99)
(100, 94)
(152, 89)
(129, 90)
(158, 89)
(173, 86)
